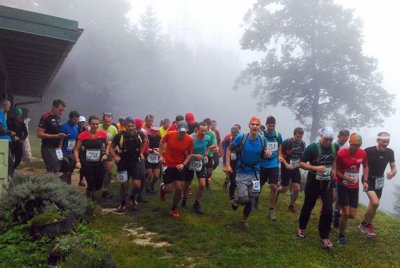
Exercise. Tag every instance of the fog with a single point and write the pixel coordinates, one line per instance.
(187, 61)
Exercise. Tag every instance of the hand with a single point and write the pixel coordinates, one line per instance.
(205, 159)
(267, 153)
(141, 156)
(12, 134)
(180, 167)
(320, 169)
(117, 159)
(78, 165)
(162, 160)
(61, 135)
(198, 156)
(389, 175)
(104, 157)
(365, 186)
(280, 158)
(289, 167)
(16, 138)
(228, 169)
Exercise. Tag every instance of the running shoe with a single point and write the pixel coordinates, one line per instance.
(244, 225)
(162, 193)
(271, 215)
(363, 228)
(174, 213)
(326, 243)
(292, 209)
(197, 209)
(301, 233)
(370, 230)
(121, 209)
(342, 240)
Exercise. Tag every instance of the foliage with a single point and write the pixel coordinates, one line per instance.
(29, 196)
(313, 64)
(46, 217)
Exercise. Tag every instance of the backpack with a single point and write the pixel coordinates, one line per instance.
(243, 142)
(333, 149)
(122, 144)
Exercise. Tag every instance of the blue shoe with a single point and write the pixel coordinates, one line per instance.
(342, 240)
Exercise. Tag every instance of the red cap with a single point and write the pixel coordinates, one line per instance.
(189, 117)
(138, 123)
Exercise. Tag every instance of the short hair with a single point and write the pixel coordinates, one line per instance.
(237, 125)
(73, 114)
(58, 102)
(213, 121)
(298, 130)
(204, 124)
(93, 117)
(344, 132)
(207, 121)
(179, 118)
(149, 116)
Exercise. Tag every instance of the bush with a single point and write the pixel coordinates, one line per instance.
(27, 197)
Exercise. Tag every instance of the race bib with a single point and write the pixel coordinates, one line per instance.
(256, 185)
(122, 176)
(163, 168)
(70, 145)
(354, 175)
(195, 165)
(294, 163)
(233, 156)
(93, 155)
(59, 154)
(379, 183)
(272, 146)
(326, 176)
(153, 158)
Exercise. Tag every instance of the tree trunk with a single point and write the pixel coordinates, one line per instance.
(315, 117)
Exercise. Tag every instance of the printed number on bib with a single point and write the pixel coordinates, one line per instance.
(233, 156)
(195, 165)
(256, 185)
(122, 176)
(379, 183)
(273, 146)
(59, 154)
(294, 163)
(92, 155)
(153, 158)
(326, 176)
(353, 175)
(70, 145)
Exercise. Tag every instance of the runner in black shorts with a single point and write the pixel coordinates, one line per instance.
(152, 158)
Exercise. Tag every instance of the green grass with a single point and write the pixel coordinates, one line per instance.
(215, 239)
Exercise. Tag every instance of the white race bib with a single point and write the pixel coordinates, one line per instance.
(195, 165)
(294, 163)
(379, 183)
(351, 174)
(326, 176)
(59, 154)
(122, 176)
(256, 185)
(272, 146)
(233, 156)
(93, 155)
(70, 145)
(153, 158)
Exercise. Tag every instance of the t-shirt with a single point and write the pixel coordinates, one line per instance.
(200, 146)
(274, 139)
(177, 149)
(154, 141)
(51, 125)
(311, 155)
(111, 131)
(129, 144)
(292, 151)
(72, 132)
(250, 156)
(378, 160)
(3, 124)
(163, 132)
(349, 164)
(213, 138)
(225, 145)
(94, 147)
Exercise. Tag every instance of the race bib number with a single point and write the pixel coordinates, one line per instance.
(233, 156)
(272, 146)
(256, 185)
(195, 165)
(326, 176)
(70, 145)
(93, 155)
(59, 154)
(294, 163)
(379, 183)
(122, 176)
(153, 158)
(353, 175)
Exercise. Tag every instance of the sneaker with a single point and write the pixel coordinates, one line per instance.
(174, 213)
(142, 199)
(336, 218)
(292, 209)
(244, 225)
(162, 193)
(326, 243)
(121, 209)
(342, 240)
(184, 202)
(370, 230)
(301, 233)
(197, 209)
(82, 183)
(107, 195)
(363, 228)
(234, 205)
(190, 191)
(271, 215)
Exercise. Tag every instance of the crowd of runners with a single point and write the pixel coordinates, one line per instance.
(173, 153)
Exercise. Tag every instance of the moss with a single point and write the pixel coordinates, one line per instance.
(46, 218)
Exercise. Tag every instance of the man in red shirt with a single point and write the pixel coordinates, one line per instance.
(174, 159)
(348, 163)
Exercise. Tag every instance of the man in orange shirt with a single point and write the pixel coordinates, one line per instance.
(174, 159)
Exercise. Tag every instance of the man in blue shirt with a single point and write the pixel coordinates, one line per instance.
(5, 133)
(70, 129)
(250, 149)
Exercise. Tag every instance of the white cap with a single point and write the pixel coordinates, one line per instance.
(82, 119)
(327, 132)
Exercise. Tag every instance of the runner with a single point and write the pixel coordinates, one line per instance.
(318, 159)
(141, 165)
(131, 148)
(152, 158)
(176, 157)
(111, 131)
(81, 127)
(269, 171)
(95, 148)
(49, 132)
(342, 139)
(348, 161)
(5, 132)
(378, 158)
(202, 143)
(249, 148)
(173, 127)
(16, 124)
(70, 129)
(189, 118)
(292, 149)
(164, 127)
(121, 125)
(213, 150)
(216, 156)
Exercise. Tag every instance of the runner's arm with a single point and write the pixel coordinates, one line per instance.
(40, 133)
(77, 148)
(393, 170)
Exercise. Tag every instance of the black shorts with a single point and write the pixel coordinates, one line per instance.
(210, 162)
(347, 196)
(151, 165)
(68, 164)
(189, 174)
(94, 176)
(270, 175)
(172, 174)
(290, 175)
(371, 186)
(131, 168)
